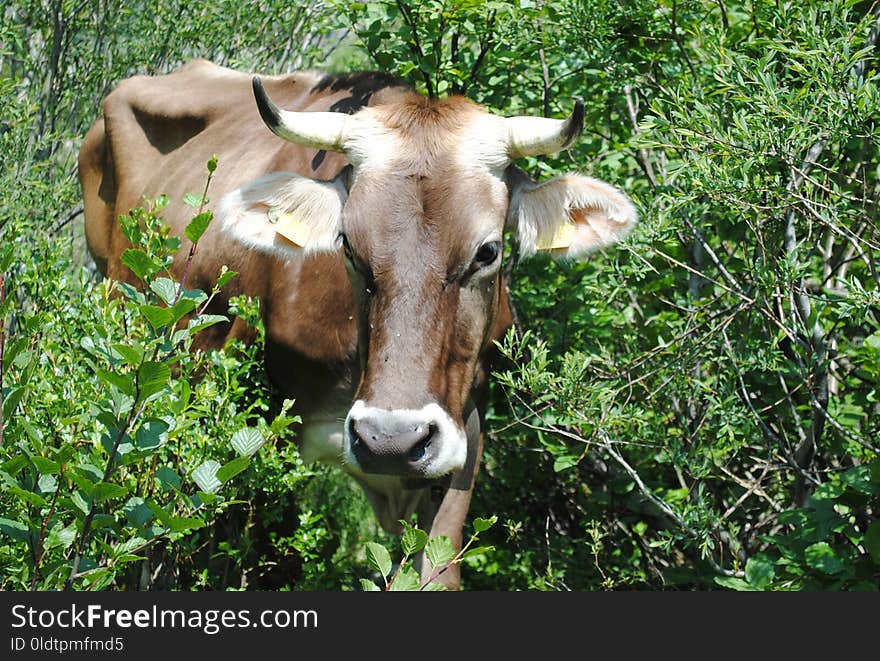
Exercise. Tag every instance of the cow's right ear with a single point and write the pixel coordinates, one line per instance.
(568, 216)
(284, 214)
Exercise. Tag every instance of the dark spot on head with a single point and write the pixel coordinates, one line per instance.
(361, 84)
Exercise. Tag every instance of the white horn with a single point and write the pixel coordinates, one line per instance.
(533, 136)
(321, 130)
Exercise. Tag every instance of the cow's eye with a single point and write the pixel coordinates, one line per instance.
(487, 254)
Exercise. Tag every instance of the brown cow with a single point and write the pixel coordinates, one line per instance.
(372, 233)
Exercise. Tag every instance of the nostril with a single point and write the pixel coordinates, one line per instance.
(418, 451)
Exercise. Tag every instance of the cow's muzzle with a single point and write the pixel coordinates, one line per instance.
(423, 442)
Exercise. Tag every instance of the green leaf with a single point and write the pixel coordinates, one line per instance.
(564, 462)
(183, 307)
(59, 535)
(14, 529)
(47, 483)
(478, 550)
(151, 435)
(141, 264)
(46, 466)
(13, 349)
(157, 316)
(122, 550)
(413, 540)
(132, 355)
(204, 320)
(107, 490)
(153, 377)
(80, 502)
(29, 497)
(225, 276)
(165, 289)
(872, 541)
(859, 478)
(167, 477)
(12, 466)
(6, 257)
(130, 293)
(439, 551)
(212, 163)
(193, 200)
(734, 583)
(137, 511)
(159, 512)
(247, 440)
(760, 571)
(232, 468)
(434, 586)
(180, 523)
(204, 497)
(379, 557)
(198, 225)
(124, 383)
(823, 557)
(205, 476)
(11, 401)
(368, 586)
(406, 580)
(196, 295)
(481, 525)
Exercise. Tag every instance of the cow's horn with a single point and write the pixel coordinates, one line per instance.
(533, 136)
(321, 130)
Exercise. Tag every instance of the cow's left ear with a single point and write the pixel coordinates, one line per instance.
(568, 216)
(285, 214)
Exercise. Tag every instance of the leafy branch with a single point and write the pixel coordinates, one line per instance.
(438, 551)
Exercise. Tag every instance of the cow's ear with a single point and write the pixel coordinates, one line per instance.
(284, 213)
(568, 216)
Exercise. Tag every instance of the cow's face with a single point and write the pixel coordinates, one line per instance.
(419, 218)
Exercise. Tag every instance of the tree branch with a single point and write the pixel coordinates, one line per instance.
(415, 45)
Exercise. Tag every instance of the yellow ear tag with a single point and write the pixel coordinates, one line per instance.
(561, 239)
(290, 227)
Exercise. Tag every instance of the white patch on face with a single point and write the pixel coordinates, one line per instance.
(450, 439)
(390, 500)
(321, 441)
(483, 144)
(371, 142)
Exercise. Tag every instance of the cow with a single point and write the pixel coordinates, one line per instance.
(369, 220)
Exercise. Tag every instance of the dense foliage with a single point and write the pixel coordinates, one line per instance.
(696, 408)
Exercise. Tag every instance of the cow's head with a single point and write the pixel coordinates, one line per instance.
(419, 217)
